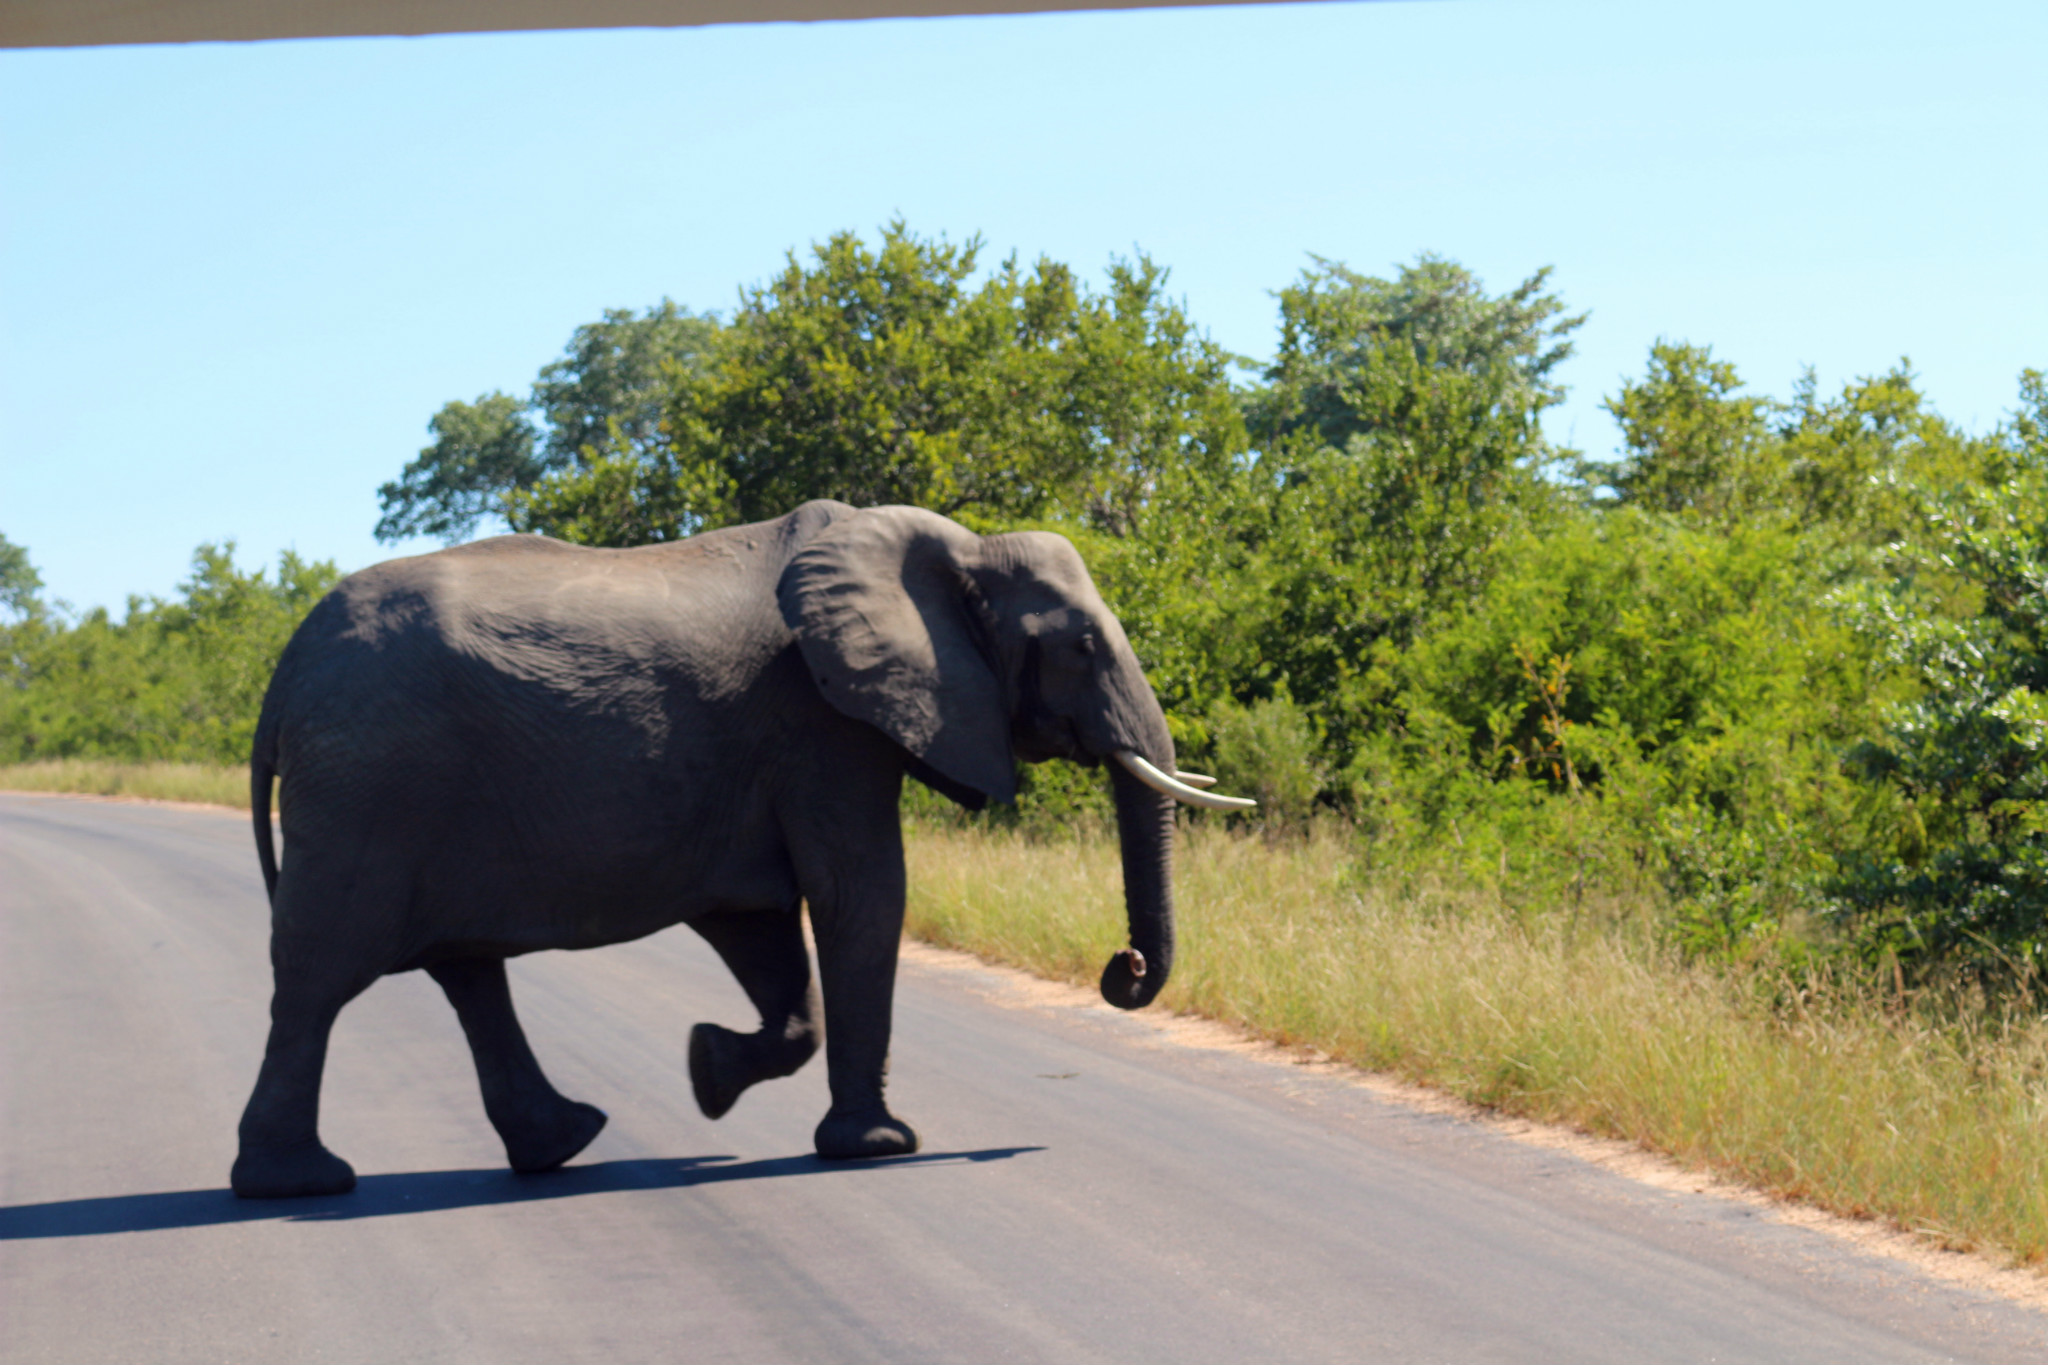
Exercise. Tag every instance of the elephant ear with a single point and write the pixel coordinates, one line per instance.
(888, 621)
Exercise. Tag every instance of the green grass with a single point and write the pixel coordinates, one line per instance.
(1930, 1113)
(205, 783)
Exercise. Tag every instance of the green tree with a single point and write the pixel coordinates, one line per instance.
(1339, 329)
(20, 585)
(887, 375)
(1852, 462)
(481, 451)
(1694, 442)
(1697, 447)
(1401, 441)
(23, 617)
(607, 392)
(1965, 759)
(602, 400)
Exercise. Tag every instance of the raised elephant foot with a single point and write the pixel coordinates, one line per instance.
(541, 1143)
(724, 1063)
(304, 1168)
(876, 1132)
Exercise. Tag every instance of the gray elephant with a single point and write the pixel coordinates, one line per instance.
(520, 744)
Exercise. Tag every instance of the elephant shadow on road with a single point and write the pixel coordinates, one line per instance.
(382, 1196)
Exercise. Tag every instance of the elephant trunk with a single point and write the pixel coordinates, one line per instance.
(1144, 821)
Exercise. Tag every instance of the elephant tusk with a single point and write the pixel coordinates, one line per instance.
(1173, 787)
(1202, 780)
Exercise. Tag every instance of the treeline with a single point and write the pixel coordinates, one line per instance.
(1778, 666)
(176, 679)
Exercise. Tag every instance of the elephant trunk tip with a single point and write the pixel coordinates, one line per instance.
(1125, 983)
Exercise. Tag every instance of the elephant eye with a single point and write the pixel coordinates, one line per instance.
(1085, 646)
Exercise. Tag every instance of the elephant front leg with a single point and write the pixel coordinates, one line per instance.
(859, 927)
(766, 953)
(540, 1126)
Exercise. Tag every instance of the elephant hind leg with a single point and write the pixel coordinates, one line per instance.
(281, 1153)
(765, 951)
(541, 1127)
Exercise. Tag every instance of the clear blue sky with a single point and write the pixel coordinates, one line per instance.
(235, 281)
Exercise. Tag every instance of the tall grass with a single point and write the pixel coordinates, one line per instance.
(1929, 1111)
(205, 783)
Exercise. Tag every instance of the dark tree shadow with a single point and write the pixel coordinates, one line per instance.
(382, 1196)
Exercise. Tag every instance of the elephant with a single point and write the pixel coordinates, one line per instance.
(519, 744)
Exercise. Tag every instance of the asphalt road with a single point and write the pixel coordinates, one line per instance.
(1089, 1192)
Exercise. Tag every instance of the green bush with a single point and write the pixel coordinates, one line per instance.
(1965, 876)
(1269, 751)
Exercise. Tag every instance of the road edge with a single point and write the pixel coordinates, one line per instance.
(1015, 988)
(1991, 1274)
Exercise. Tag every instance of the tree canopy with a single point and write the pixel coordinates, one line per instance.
(20, 584)
(1350, 342)
(888, 375)
(601, 400)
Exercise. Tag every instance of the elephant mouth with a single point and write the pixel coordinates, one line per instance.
(1050, 737)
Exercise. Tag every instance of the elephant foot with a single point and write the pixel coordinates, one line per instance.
(303, 1168)
(724, 1063)
(716, 1074)
(545, 1144)
(874, 1132)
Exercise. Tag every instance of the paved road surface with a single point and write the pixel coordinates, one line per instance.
(1088, 1193)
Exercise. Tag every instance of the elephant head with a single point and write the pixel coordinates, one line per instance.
(973, 652)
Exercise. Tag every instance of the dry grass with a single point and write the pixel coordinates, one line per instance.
(1933, 1115)
(200, 782)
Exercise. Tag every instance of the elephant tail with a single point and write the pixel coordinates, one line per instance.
(262, 772)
